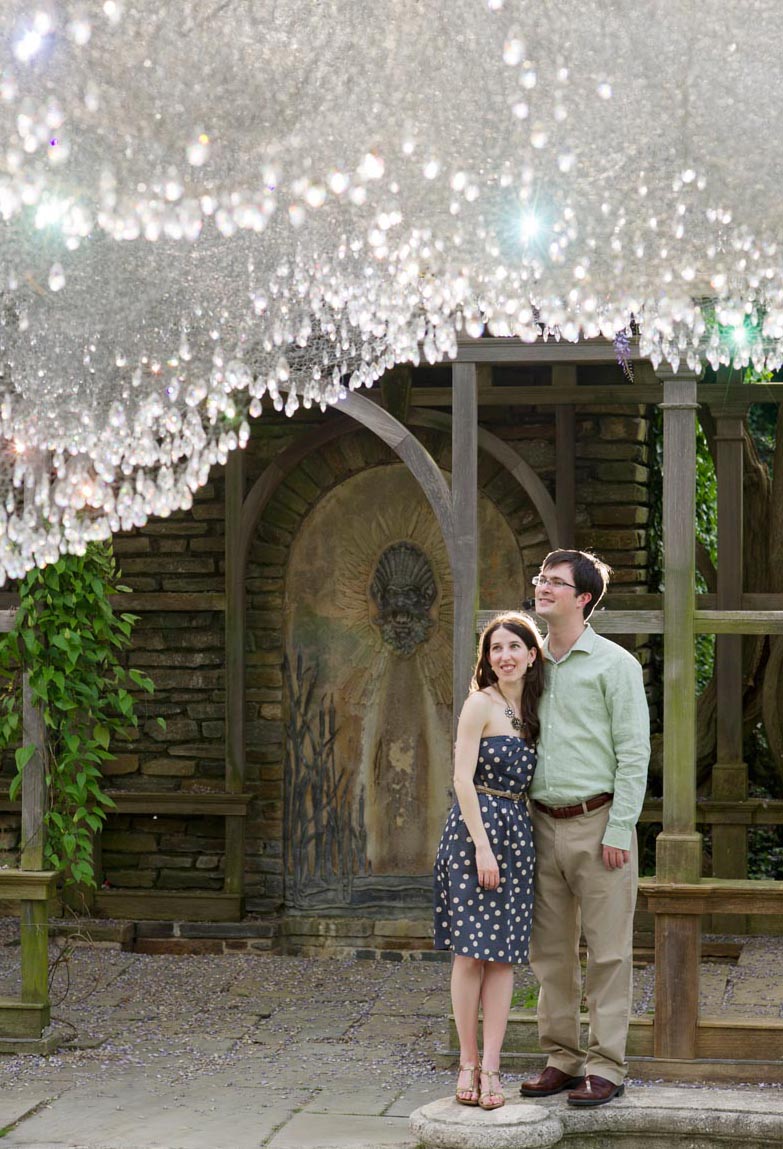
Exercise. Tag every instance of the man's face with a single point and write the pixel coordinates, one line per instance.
(557, 599)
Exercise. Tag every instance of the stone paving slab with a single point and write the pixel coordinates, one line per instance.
(322, 1131)
(354, 1097)
(15, 1106)
(127, 1118)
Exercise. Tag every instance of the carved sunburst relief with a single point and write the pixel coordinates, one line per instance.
(394, 585)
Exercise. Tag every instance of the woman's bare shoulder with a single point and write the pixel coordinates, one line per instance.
(479, 703)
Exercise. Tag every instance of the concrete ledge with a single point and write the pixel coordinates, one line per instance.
(446, 1125)
(644, 1118)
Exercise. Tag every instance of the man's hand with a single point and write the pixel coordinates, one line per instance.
(615, 859)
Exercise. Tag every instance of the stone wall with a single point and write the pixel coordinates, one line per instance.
(183, 653)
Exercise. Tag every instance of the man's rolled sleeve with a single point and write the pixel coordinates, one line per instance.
(630, 723)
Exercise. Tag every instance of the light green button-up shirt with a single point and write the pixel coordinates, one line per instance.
(595, 732)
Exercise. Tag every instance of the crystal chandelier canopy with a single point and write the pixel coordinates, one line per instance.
(204, 202)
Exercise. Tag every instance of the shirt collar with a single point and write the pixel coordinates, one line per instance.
(585, 642)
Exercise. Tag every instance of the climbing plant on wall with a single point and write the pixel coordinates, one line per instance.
(70, 641)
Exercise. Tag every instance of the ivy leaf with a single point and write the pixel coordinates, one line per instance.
(102, 736)
(23, 755)
(70, 642)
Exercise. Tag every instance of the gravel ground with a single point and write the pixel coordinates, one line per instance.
(293, 1027)
(181, 1018)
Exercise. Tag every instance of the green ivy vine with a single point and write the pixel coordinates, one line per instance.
(70, 641)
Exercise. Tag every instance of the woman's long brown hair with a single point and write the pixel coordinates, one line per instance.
(523, 626)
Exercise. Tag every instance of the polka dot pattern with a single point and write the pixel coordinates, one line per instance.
(493, 925)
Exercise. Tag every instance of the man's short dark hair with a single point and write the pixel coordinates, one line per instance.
(590, 575)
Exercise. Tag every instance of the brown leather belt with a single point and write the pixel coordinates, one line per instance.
(574, 811)
(499, 793)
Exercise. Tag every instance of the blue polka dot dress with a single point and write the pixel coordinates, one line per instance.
(493, 925)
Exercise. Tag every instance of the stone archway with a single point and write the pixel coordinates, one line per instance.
(367, 615)
(244, 513)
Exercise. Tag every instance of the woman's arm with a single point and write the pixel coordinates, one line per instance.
(472, 721)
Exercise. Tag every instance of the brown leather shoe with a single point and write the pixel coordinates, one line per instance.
(595, 1091)
(549, 1082)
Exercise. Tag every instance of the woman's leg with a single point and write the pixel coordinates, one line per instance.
(465, 996)
(497, 987)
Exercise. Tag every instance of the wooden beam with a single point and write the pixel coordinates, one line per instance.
(730, 773)
(235, 669)
(179, 802)
(712, 895)
(603, 621)
(33, 781)
(565, 461)
(34, 913)
(757, 602)
(728, 812)
(28, 885)
(678, 847)
(464, 494)
(640, 393)
(169, 905)
(738, 622)
(509, 350)
(677, 958)
(627, 621)
(543, 395)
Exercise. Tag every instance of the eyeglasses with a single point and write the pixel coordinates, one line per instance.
(555, 583)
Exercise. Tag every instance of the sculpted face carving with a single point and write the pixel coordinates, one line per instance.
(403, 589)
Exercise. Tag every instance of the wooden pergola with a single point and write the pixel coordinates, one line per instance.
(678, 896)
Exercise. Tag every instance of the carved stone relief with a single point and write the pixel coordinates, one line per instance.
(369, 611)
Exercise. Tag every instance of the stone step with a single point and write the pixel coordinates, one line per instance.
(640, 1118)
(388, 939)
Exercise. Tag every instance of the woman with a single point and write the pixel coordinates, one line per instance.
(484, 864)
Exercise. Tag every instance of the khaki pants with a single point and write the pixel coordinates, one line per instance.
(573, 888)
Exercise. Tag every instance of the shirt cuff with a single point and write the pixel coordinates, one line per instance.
(618, 838)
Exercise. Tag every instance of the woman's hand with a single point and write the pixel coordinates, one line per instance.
(487, 866)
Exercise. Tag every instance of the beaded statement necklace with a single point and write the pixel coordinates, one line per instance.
(510, 713)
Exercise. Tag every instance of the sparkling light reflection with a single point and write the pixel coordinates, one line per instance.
(200, 215)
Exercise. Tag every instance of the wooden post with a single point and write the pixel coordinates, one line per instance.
(678, 853)
(235, 670)
(395, 388)
(730, 775)
(34, 916)
(677, 958)
(565, 453)
(678, 848)
(464, 494)
(34, 928)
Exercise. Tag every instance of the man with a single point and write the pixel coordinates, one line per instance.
(586, 796)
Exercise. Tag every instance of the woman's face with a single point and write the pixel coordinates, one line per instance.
(509, 656)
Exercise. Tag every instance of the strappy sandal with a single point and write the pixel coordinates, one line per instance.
(473, 1088)
(490, 1098)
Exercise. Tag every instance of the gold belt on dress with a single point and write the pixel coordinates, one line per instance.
(500, 793)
